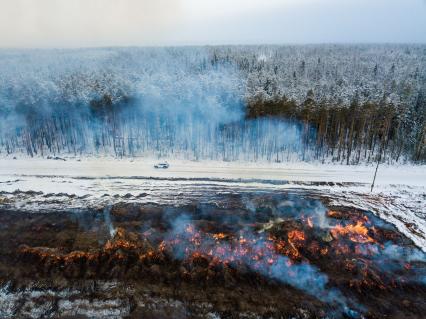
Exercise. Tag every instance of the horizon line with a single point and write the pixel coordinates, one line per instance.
(41, 48)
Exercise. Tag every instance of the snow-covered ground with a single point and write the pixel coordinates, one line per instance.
(399, 195)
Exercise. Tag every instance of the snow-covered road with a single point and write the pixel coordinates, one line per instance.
(93, 167)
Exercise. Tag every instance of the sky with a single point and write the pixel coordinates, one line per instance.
(92, 23)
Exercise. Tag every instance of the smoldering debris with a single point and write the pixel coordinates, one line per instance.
(301, 254)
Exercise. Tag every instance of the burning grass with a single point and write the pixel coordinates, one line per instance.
(344, 259)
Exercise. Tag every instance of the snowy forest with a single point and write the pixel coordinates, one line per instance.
(348, 104)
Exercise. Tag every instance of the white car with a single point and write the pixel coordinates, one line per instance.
(163, 165)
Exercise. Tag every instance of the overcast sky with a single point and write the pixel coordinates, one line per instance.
(82, 23)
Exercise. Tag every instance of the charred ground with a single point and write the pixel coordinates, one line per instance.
(259, 255)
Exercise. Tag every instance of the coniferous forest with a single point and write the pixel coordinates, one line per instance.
(347, 104)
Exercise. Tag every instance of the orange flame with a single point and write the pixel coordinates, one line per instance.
(219, 236)
(357, 233)
(296, 235)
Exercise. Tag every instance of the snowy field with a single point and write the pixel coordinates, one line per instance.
(399, 195)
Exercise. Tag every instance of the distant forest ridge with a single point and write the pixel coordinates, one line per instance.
(330, 103)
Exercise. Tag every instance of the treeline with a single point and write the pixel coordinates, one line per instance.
(274, 130)
(362, 132)
(122, 132)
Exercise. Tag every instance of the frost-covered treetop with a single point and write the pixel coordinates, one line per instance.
(77, 77)
(179, 76)
(335, 73)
